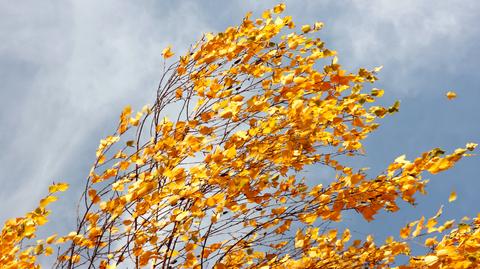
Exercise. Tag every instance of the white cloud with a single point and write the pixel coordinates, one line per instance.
(90, 59)
(404, 36)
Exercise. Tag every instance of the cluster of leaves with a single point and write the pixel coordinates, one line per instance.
(14, 253)
(219, 185)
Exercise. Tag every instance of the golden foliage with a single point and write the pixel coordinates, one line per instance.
(220, 185)
(451, 95)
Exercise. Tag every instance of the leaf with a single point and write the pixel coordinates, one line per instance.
(452, 197)
(335, 60)
(420, 226)
(471, 146)
(405, 232)
(167, 52)
(58, 187)
(47, 200)
(38, 249)
(318, 25)
(50, 239)
(48, 251)
(377, 69)
(395, 107)
(179, 93)
(130, 143)
(401, 159)
(377, 92)
(124, 120)
(299, 243)
(306, 28)
(230, 153)
(101, 159)
(430, 260)
(279, 8)
(93, 196)
(451, 95)
(181, 216)
(309, 218)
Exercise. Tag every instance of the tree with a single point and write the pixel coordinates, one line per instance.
(219, 186)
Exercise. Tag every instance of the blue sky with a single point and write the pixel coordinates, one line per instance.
(68, 68)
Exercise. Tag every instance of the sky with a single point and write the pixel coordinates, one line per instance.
(67, 68)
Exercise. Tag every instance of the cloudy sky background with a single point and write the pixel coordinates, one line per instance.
(67, 68)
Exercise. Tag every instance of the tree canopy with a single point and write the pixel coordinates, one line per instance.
(219, 185)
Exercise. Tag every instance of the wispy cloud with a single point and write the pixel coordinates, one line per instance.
(74, 67)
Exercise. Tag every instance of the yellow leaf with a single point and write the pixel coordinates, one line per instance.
(48, 251)
(335, 60)
(452, 197)
(58, 187)
(440, 165)
(377, 92)
(101, 159)
(93, 196)
(278, 21)
(231, 152)
(38, 249)
(318, 25)
(429, 242)
(60, 240)
(306, 28)
(430, 260)
(287, 79)
(471, 146)
(266, 14)
(123, 165)
(47, 200)
(401, 159)
(299, 80)
(308, 218)
(419, 227)
(241, 134)
(210, 201)
(123, 121)
(431, 225)
(76, 258)
(405, 232)
(279, 8)
(167, 52)
(50, 239)
(439, 212)
(299, 243)
(178, 93)
(181, 216)
(451, 95)
(279, 210)
(215, 199)
(377, 69)
(297, 104)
